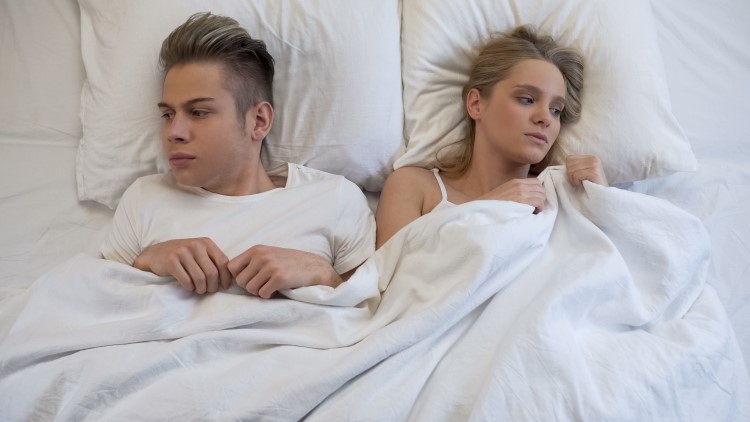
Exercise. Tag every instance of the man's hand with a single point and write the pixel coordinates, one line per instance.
(263, 270)
(197, 264)
(585, 167)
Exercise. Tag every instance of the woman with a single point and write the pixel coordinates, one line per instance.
(522, 88)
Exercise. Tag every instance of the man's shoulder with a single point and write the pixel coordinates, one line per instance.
(159, 184)
(327, 186)
(301, 175)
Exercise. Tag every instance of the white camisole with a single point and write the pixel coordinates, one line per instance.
(444, 203)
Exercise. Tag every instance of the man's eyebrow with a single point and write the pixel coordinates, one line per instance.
(188, 103)
(537, 91)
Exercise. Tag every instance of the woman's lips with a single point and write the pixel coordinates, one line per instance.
(539, 137)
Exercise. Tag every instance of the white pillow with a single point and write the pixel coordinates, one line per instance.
(40, 73)
(337, 88)
(626, 120)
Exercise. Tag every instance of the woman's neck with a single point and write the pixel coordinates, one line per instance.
(485, 173)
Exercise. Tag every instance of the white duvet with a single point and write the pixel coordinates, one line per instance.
(595, 309)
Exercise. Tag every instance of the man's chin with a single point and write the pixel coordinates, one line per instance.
(183, 180)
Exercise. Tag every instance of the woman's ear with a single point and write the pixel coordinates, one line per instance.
(473, 104)
(259, 120)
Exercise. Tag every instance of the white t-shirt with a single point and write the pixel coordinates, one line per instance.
(315, 212)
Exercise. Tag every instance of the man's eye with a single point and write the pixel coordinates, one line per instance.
(200, 113)
(167, 116)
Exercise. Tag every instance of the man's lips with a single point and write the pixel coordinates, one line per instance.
(180, 159)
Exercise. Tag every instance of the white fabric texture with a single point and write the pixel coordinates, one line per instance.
(627, 118)
(40, 72)
(337, 87)
(490, 313)
(315, 212)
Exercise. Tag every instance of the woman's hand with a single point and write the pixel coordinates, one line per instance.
(525, 191)
(585, 167)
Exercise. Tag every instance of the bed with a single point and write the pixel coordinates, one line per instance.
(658, 328)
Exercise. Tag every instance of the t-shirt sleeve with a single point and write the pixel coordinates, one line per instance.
(122, 243)
(354, 229)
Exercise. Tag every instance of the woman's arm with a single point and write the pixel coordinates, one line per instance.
(401, 201)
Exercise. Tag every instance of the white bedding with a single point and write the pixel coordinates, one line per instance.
(707, 63)
(490, 313)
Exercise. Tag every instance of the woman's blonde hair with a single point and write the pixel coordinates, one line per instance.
(494, 63)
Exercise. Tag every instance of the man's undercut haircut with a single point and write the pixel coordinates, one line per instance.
(208, 38)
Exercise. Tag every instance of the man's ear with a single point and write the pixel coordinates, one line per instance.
(474, 103)
(259, 120)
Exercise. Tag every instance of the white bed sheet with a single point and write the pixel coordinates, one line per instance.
(42, 221)
(41, 75)
(704, 46)
(42, 224)
(495, 331)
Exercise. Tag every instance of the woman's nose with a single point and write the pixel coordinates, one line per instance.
(542, 116)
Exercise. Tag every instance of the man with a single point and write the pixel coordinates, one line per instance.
(217, 201)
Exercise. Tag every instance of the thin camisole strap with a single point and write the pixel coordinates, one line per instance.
(443, 193)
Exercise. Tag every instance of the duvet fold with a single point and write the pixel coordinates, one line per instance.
(594, 309)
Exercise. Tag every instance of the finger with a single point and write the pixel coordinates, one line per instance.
(237, 264)
(577, 159)
(270, 281)
(535, 199)
(256, 282)
(575, 164)
(183, 278)
(213, 263)
(202, 268)
(244, 277)
(578, 174)
(221, 262)
(197, 277)
(269, 288)
(571, 173)
(210, 272)
(225, 277)
(541, 204)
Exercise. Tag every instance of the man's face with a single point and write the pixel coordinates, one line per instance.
(203, 139)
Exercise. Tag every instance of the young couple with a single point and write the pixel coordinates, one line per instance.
(217, 218)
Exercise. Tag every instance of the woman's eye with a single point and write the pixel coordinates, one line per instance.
(526, 100)
(555, 111)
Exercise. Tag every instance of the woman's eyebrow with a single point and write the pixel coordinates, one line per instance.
(536, 91)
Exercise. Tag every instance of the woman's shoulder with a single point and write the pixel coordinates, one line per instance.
(411, 179)
(416, 183)
(411, 174)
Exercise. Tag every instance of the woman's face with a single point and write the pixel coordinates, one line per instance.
(520, 118)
